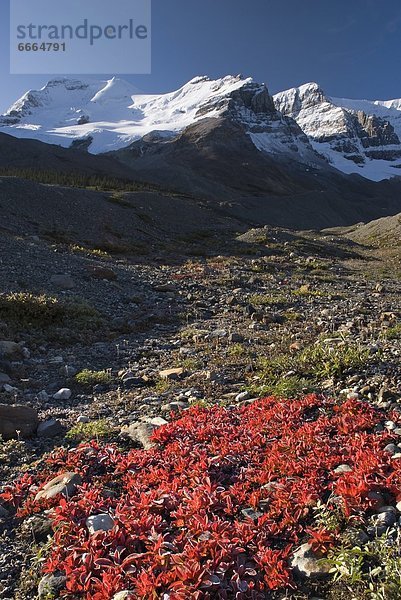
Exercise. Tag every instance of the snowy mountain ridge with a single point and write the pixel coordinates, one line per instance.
(302, 124)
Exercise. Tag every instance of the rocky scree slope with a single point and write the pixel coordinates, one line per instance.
(272, 312)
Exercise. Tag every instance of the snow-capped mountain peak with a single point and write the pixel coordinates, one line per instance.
(355, 136)
(300, 98)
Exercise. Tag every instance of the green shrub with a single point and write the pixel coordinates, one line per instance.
(89, 378)
(27, 309)
(90, 431)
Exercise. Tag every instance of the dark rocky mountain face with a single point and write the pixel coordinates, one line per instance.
(37, 156)
(215, 163)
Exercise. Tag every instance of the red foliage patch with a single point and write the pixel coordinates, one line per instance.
(215, 509)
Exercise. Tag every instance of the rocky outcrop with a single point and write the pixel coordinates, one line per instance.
(375, 131)
(338, 132)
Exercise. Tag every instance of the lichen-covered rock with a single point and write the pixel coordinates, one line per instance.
(51, 585)
(140, 433)
(308, 564)
(65, 485)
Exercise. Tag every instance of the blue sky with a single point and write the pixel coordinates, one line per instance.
(351, 47)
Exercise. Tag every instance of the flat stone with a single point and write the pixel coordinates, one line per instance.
(158, 422)
(171, 374)
(17, 421)
(98, 272)
(250, 513)
(10, 389)
(4, 378)
(64, 485)
(164, 287)
(62, 281)
(218, 334)
(101, 522)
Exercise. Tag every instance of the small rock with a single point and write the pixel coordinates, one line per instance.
(83, 419)
(249, 513)
(64, 484)
(140, 433)
(158, 422)
(177, 405)
(43, 396)
(102, 522)
(385, 395)
(387, 516)
(392, 449)
(307, 563)
(236, 338)
(376, 499)
(123, 595)
(164, 287)
(64, 282)
(171, 374)
(342, 469)
(212, 376)
(10, 348)
(10, 389)
(40, 526)
(98, 272)
(4, 378)
(51, 585)
(63, 394)
(50, 428)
